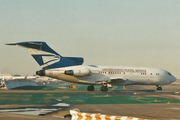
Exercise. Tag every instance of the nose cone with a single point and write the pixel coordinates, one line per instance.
(173, 79)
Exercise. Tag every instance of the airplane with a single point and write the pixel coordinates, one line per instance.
(15, 81)
(71, 69)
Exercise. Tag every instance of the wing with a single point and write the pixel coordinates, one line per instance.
(116, 81)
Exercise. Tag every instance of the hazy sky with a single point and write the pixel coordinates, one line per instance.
(143, 33)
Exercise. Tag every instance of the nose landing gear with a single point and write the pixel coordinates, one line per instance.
(159, 87)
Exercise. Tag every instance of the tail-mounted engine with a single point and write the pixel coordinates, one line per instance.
(40, 72)
(76, 72)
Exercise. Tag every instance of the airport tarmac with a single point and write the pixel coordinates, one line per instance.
(135, 101)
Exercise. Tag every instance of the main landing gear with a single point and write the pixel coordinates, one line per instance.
(90, 88)
(104, 88)
(159, 87)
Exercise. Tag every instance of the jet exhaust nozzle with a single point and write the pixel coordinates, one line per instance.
(40, 72)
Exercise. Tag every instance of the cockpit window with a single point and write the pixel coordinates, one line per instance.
(169, 73)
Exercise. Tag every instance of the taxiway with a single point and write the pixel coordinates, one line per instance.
(140, 101)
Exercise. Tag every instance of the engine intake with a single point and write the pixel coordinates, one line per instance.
(69, 72)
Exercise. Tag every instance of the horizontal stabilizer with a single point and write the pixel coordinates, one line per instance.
(35, 44)
(10, 44)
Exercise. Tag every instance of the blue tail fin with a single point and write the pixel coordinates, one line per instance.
(46, 57)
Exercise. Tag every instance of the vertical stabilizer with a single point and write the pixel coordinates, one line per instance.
(46, 57)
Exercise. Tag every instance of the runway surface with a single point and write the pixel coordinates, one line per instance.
(135, 101)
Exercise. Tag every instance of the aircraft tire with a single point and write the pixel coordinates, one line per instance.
(104, 88)
(90, 88)
(159, 88)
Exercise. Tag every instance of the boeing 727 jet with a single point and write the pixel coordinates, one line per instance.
(71, 69)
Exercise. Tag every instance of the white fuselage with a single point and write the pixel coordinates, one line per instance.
(113, 75)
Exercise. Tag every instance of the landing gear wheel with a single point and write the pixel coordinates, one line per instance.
(90, 88)
(104, 88)
(159, 88)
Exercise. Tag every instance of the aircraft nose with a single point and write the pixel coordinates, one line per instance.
(173, 79)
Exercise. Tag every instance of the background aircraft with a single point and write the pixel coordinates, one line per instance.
(15, 81)
(70, 69)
